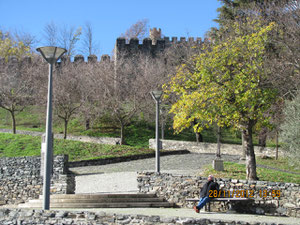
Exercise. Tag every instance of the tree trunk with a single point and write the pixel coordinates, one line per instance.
(122, 134)
(262, 139)
(218, 153)
(276, 155)
(162, 129)
(243, 147)
(250, 155)
(199, 137)
(12, 113)
(87, 124)
(66, 129)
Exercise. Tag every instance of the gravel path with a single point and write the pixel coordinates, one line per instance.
(185, 163)
(122, 177)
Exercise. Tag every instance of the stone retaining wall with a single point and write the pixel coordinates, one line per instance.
(97, 140)
(204, 147)
(20, 178)
(18, 216)
(177, 188)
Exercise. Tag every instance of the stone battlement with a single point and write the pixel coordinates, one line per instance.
(150, 47)
(90, 58)
(166, 40)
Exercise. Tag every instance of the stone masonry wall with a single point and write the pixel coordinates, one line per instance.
(27, 216)
(20, 178)
(204, 147)
(150, 46)
(177, 188)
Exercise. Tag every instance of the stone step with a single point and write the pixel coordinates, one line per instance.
(112, 200)
(98, 200)
(99, 196)
(101, 205)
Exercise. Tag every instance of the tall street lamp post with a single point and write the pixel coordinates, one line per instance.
(51, 54)
(156, 95)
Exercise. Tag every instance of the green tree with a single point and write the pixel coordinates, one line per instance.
(283, 55)
(231, 10)
(228, 87)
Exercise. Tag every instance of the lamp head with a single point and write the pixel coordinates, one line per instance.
(51, 53)
(156, 95)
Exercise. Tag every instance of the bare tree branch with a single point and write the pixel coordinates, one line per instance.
(138, 30)
(89, 46)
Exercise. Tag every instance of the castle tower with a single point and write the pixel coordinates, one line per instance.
(155, 35)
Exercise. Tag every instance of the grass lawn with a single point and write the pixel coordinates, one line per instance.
(24, 145)
(238, 171)
(281, 163)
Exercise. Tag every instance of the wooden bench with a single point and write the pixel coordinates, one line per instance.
(228, 201)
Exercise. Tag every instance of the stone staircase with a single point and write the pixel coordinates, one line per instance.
(100, 201)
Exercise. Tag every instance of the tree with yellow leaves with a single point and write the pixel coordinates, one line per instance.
(8, 47)
(228, 86)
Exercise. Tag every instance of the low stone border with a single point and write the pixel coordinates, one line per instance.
(24, 217)
(96, 162)
(204, 147)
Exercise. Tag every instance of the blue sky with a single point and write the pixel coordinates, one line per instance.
(110, 18)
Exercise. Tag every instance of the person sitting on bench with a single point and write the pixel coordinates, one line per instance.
(205, 194)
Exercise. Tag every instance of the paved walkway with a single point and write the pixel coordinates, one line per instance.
(122, 177)
(190, 163)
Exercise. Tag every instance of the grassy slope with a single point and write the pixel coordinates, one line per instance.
(24, 145)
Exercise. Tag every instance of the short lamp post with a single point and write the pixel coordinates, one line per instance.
(156, 95)
(51, 54)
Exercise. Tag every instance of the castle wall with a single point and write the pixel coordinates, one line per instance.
(133, 46)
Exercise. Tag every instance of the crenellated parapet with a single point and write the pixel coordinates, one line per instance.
(149, 46)
(91, 59)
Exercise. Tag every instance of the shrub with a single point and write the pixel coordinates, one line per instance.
(290, 134)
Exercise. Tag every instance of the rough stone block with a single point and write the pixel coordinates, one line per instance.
(218, 164)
